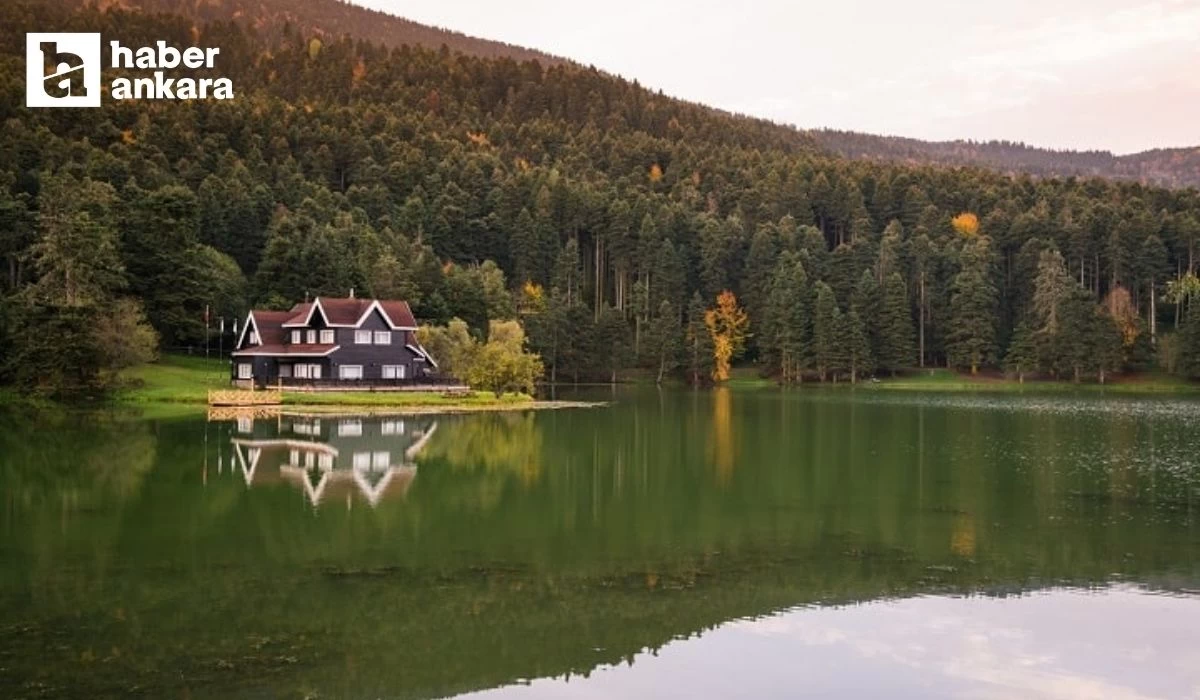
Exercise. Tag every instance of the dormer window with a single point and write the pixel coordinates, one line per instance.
(296, 337)
(310, 337)
(327, 337)
(253, 338)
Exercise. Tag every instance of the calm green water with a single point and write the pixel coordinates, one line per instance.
(711, 544)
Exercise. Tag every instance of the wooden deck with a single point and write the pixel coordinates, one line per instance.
(240, 397)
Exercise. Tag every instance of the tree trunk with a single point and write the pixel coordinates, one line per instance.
(1153, 314)
(921, 360)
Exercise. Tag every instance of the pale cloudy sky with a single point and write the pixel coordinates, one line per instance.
(1122, 75)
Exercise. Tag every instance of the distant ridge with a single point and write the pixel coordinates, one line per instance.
(1170, 167)
(1174, 167)
(333, 18)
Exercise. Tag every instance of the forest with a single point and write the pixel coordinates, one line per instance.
(624, 229)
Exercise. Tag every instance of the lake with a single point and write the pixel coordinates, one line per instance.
(726, 543)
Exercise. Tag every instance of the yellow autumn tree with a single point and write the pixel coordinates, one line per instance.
(729, 327)
(967, 224)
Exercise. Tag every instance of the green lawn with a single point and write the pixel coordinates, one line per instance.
(184, 379)
(948, 380)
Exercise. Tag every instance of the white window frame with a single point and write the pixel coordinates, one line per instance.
(285, 371)
(381, 459)
(245, 370)
(383, 337)
(395, 372)
(362, 337)
(355, 372)
(296, 337)
(350, 428)
(361, 460)
(254, 338)
(310, 337)
(303, 370)
(327, 337)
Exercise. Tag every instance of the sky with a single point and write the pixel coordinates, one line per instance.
(1119, 75)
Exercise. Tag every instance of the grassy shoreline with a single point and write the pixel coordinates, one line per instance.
(949, 381)
(187, 381)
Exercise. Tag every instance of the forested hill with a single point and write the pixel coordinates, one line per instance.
(331, 19)
(1170, 167)
(606, 217)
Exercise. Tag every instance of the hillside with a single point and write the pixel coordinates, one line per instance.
(335, 18)
(332, 19)
(1177, 167)
(605, 216)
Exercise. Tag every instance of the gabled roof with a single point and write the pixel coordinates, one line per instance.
(350, 312)
(267, 324)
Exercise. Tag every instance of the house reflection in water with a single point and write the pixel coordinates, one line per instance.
(332, 458)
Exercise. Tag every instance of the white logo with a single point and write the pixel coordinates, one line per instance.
(62, 70)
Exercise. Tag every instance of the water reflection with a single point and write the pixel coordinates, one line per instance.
(331, 458)
(504, 547)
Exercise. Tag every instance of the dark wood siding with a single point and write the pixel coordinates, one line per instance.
(373, 357)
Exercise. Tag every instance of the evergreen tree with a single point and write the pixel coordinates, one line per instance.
(1189, 344)
(1022, 355)
(786, 336)
(699, 345)
(853, 345)
(972, 337)
(895, 326)
(825, 330)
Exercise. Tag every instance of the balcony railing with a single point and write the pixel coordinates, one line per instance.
(409, 383)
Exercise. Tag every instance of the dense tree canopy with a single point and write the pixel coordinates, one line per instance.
(457, 181)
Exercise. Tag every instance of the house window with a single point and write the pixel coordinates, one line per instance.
(253, 337)
(362, 460)
(245, 425)
(285, 371)
(325, 462)
(294, 458)
(310, 337)
(381, 460)
(394, 371)
(362, 337)
(245, 370)
(350, 428)
(383, 337)
(350, 372)
(327, 337)
(296, 337)
(307, 371)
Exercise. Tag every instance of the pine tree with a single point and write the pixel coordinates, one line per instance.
(895, 326)
(786, 333)
(853, 344)
(825, 330)
(699, 343)
(972, 337)
(1189, 344)
(664, 339)
(1022, 355)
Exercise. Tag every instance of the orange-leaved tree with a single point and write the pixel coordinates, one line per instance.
(967, 224)
(729, 327)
